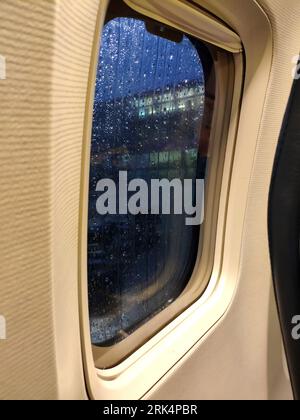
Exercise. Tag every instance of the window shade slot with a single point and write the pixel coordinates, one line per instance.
(188, 18)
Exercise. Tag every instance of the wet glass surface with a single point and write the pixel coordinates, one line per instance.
(148, 109)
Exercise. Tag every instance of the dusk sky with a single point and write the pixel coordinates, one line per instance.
(132, 60)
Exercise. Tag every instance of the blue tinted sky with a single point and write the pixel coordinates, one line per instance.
(132, 60)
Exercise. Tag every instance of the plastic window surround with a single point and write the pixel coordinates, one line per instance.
(111, 381)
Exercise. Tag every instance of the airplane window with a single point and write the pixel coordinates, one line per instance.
(148, 163)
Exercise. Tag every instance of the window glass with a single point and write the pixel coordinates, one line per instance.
(147, 125)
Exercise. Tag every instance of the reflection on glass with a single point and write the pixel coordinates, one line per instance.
(147, 119)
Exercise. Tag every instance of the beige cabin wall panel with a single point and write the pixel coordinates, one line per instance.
(27, 356)
(47, 45)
